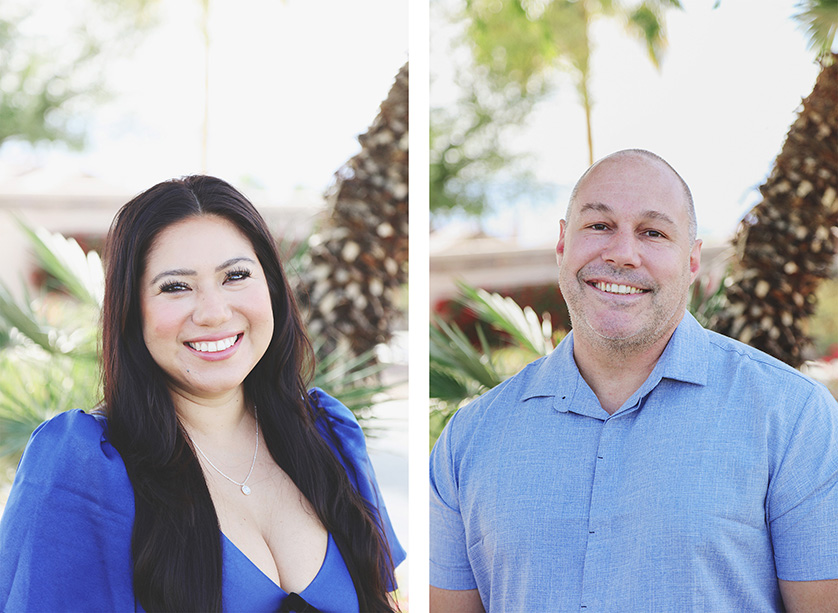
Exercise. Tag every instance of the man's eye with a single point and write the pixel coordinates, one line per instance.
(653, 234)
(599, 226)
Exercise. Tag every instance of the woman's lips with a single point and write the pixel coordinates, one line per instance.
(215, 349)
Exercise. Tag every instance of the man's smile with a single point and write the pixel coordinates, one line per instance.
(620, 289)
(617, 288)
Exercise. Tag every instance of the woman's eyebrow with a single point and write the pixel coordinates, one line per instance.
(179, 272)
(232, 261)
(185, 272)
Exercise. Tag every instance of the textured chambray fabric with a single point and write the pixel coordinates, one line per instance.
(717, 476)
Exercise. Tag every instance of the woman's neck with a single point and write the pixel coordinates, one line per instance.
(212, 417)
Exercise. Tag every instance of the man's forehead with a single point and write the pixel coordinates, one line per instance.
(613, 181)
(627, 166)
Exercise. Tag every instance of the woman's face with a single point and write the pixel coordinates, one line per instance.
(206, 309)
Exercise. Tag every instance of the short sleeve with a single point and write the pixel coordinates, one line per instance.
(65, 534)
(802, 502)
(449, 564)
(344, 430)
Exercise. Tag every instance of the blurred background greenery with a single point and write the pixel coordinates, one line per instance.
(525, 94)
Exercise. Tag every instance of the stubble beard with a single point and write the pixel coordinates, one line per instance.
(656, 326)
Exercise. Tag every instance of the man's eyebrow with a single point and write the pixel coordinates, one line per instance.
(659, 216)
(601, 207)
(185, 272)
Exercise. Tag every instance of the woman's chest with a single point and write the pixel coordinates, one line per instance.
(274, 526)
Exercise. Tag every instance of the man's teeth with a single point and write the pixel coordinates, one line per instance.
(614, 288)
(212, 347)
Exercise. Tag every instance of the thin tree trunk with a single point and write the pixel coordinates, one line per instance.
(586, 103)
(205, 128)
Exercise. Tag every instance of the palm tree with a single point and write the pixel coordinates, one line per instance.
(357, 262)
(523, 39)
(787, 244)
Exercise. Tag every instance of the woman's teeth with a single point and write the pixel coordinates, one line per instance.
(213, 347)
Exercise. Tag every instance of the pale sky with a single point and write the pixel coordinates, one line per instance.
(718, 110)
(292, 83)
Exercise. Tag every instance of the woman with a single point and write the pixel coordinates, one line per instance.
(210, 479)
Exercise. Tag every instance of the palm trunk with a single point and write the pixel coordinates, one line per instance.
(787, 244)
(359, 263)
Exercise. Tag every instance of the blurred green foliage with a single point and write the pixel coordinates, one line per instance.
(52, 62)
(460, 371)
(515, 48)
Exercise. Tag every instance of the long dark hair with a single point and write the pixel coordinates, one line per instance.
(176, 540)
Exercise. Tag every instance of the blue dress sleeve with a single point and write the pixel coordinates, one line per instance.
(65, 534)
(343, 429)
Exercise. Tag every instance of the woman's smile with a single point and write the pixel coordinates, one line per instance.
(213, 350)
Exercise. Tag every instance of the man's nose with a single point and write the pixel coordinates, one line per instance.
(622, 250)
(212, 308)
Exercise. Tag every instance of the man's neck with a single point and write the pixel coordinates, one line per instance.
(613, 372)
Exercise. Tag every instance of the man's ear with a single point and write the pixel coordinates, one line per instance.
(560, 244)
(695, 260)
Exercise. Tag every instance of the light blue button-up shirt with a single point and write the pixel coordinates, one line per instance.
(717, 476)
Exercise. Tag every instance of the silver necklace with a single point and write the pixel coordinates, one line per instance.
(243, 484)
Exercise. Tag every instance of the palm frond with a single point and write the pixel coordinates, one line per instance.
(820, 20)
(354, 380)
(503, 313)
(80, 275)
(24, 319)
(451, 349)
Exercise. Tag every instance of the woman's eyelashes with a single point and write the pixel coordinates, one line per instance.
(231, 276)
(169, 287)
(238, 275)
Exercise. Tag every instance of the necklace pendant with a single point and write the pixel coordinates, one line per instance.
(245, 490)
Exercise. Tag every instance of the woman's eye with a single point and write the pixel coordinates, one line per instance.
(238, 275)
(173, 286)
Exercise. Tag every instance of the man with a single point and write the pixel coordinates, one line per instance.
(646, 464)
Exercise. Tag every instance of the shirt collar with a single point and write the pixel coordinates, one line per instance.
(685, 358)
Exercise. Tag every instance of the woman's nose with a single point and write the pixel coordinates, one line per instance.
(211, 309)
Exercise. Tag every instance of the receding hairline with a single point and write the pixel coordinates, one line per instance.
(641, 153)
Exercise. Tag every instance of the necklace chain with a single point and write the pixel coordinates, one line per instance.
(243, 484)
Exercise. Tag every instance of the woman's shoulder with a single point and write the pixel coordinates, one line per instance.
(341, 430)
(338, 425)
(65, 533)
(70, 451)
(82, 435)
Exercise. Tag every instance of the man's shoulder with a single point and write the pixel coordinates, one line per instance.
(511, 394)
(732, 354)
(767, 381)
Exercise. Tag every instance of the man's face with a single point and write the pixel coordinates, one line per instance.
(625, 256)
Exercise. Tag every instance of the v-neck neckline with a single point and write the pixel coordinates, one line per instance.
(330, 545)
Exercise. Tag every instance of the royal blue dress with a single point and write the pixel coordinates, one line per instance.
(65, 535)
